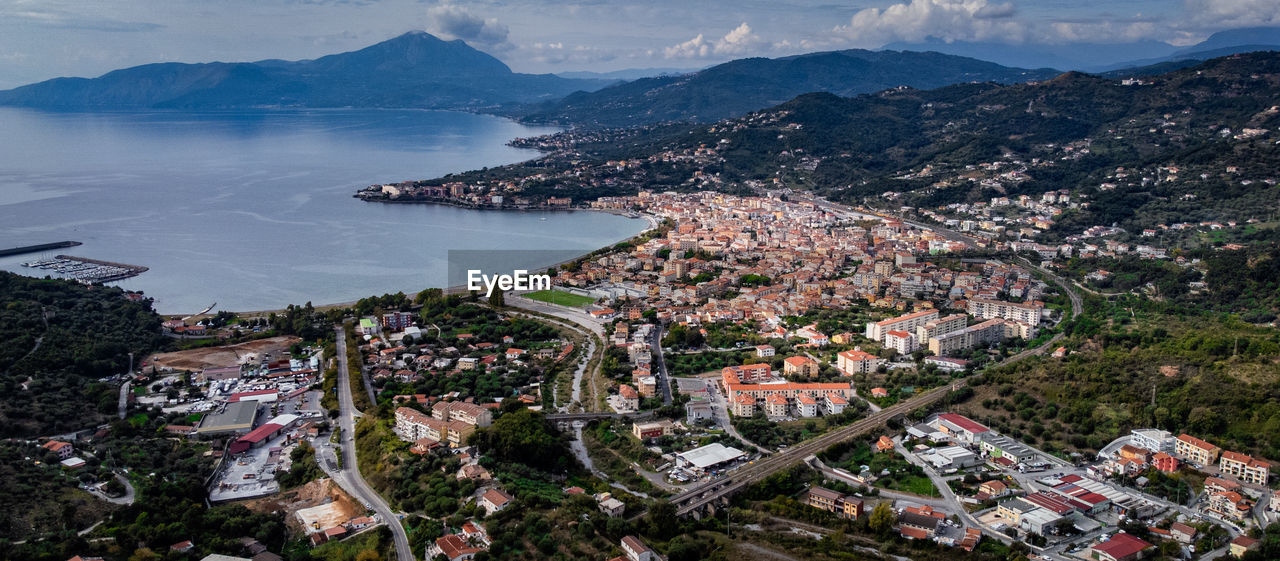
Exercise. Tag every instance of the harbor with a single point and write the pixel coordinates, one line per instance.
(87, 270)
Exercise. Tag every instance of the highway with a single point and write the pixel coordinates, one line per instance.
(349, 477)
(694, 499)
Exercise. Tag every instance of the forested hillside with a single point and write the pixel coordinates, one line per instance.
(57, 340)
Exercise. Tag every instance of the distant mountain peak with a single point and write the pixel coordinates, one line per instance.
(414, 69)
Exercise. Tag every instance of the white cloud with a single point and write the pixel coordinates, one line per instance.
(450, 21)
(951, 20)
(557, 53)
(738, 42)
(1233, 13)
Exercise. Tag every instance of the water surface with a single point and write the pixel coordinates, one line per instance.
(253, 209)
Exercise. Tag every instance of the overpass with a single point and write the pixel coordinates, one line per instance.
(707, 496)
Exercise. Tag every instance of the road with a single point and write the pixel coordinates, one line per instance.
(349, 477)
(660, 365)
(1077, 304)
(696, 498)
(720, 410)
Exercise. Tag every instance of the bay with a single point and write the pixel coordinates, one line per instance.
(253, 209)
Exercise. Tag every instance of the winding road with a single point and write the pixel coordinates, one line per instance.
(349, 476)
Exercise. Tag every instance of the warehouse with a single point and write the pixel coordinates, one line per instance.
(233, 418)
(709, 458)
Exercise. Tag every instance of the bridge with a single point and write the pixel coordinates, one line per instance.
(562, 419)
(706, 497)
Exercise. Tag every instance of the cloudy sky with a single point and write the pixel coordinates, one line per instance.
(41, 39)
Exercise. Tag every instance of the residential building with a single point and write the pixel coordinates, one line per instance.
(857, 362)
(612, 507)
(645, 431)
(698, 410)
(1195, 450)
(876, 331)
(988, 332)
(1028, 313)
(835, 403)
(1164, 462)
(1155, 440)
(636, 550)
(775, 406)
(1244, 544)
(1230, 505)
(469, 413)
(764, 351)
(647, 386)
(743, 405)
(806, 405)
(800, 366)
(748, 373)
(453, 547)
(397, 321)
(901, 341)
(64, 450)
(494, 500)
(845, 506)
(630, 397)
(941, 326)
(413, 425)
(1245, 468)
(1182, 533)
(788, 391)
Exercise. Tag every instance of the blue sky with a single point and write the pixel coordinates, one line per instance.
(41, 39)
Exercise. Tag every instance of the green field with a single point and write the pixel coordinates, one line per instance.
(561, 298)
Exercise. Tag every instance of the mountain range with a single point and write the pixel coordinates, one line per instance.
(740, 86)
(413, 70)
(1102, 57)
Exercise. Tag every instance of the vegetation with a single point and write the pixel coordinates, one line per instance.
(58, 339)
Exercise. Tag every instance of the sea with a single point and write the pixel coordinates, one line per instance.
(253, 209)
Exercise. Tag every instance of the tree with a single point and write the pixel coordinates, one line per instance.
(661, 520)
(882, 518)
(497, 300)
(368, 555)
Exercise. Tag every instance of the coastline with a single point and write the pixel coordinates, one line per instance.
(461, 289)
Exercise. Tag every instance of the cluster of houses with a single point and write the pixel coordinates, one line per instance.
(734, 258)
(943, 336)
(1235, 482)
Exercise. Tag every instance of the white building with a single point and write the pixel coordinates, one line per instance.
(901, 341)
(1155, 440)
(807, 405)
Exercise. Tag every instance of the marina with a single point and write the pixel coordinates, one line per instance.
(87, 270)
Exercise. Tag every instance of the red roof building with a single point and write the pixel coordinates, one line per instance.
(1121, 547)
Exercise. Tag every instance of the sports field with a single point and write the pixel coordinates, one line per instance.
(561, 298)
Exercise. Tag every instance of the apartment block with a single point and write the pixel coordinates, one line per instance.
(857, 362)
(1195, 450)
(1245, 468)
(876, 331)
(1028, 313)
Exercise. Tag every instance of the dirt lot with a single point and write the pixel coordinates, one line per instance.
(228, 355)
(336, 506)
